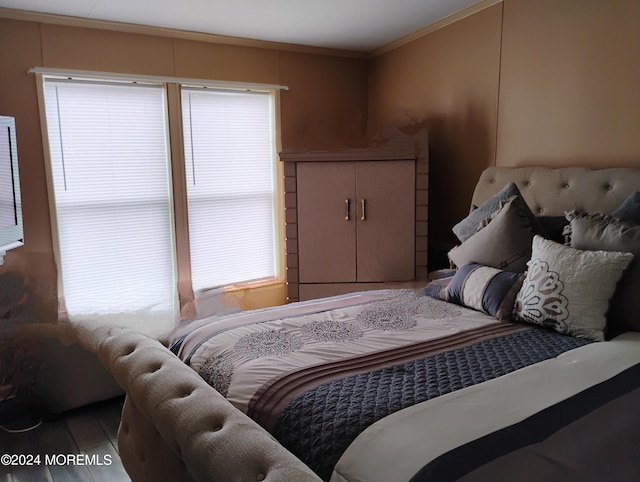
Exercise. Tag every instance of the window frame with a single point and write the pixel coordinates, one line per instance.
(175, 147)
(274, 176)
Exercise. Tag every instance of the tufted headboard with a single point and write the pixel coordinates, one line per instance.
(552, 191)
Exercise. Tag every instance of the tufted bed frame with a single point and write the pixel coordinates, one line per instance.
(177, 427)
(551, 192)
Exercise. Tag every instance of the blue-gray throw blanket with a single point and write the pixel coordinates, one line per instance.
(318, 425)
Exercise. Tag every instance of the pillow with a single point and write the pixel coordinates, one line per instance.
(629, 210)
(504, 243)
(614, 235)
(568, 289)
(437, 288)
(579, 214)
(469, 225)
(485, 289)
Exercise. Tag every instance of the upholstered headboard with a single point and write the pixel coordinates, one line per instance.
(551, 192)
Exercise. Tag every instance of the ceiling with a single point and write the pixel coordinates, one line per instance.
(359, 25)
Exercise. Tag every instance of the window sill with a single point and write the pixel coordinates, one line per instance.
(259, 294)
(253, 285)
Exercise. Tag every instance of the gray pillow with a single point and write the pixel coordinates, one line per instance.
(470, 225)
(504, 243)
(629, 210)
(614, 235)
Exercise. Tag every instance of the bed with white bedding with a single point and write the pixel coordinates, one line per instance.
(526, 358)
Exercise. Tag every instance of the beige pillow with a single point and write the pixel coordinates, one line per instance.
(469, 225)
(614, 235)
(568, 289)
(504, 243)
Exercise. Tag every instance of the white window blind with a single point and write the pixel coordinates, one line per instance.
(110, 172)
(229, 164)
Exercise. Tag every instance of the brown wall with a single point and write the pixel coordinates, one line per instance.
(523, 82)
(447, 83)
(325, 106)
(570, 83)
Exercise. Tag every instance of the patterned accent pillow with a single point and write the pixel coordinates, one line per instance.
(613, 235)
(485, 289)
(469, 225)
(568, 289)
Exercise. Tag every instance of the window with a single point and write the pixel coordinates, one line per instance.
(114, 199)
(109, 166)
(229, 166)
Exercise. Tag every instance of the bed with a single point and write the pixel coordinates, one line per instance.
(523, 360)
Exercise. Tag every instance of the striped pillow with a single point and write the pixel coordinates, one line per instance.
(485, 289)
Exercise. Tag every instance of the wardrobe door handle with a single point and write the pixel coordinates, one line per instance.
(348, 204)
(364, 209)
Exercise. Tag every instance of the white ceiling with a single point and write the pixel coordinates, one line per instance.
(361, 25)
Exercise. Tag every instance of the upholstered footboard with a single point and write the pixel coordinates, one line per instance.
(176, 427)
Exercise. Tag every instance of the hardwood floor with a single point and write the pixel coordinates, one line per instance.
(89, 431)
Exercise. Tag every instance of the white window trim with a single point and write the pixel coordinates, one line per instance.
(184, 299)
(154, 79)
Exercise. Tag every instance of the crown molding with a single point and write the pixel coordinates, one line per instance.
(454, 17)
(69, 21)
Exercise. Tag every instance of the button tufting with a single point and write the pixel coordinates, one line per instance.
(492, 181)
(260, 477)
(540, 210)
(566, 186)
(527, 183)
(609, 187)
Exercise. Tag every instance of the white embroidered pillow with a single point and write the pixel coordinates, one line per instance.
(568, 289)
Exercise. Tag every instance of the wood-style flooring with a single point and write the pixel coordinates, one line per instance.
(90, 430)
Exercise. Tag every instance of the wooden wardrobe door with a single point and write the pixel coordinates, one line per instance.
(326, 238)
(386, 237)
